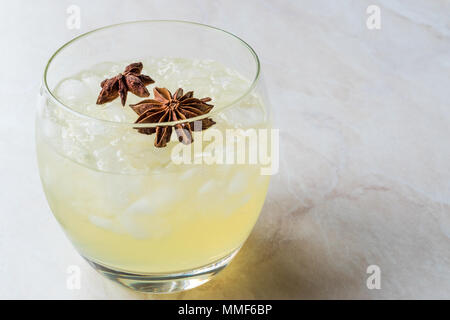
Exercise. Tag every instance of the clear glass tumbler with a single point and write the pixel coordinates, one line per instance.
(135, 212)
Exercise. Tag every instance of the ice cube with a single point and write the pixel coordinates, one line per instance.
(73, 92)
(141, 221)
(107, 69)
(114, 112)
(163, 155)
(92, 81)
(106, 224)
(189, 174)
(142, 206)
(50, 129)
(207, 187)
(238, 183)
(119, 191)
(247, 114)
(106, 160)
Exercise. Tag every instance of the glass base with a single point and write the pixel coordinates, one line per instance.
(164, 283)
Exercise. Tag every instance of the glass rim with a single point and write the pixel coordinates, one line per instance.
(152, 125)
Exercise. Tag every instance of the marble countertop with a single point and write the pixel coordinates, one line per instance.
(364, 118)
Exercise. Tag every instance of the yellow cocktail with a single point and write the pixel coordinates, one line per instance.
(132, 209)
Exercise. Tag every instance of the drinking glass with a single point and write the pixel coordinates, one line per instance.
(136, 213)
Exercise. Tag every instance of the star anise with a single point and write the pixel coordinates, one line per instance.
(130, 80)
(166, 108)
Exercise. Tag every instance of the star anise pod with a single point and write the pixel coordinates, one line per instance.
(130, 80)
(166, 108)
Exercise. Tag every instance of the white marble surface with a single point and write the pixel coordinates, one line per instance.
(365, 151)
